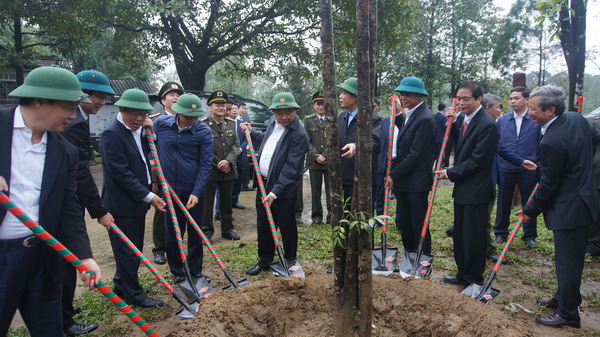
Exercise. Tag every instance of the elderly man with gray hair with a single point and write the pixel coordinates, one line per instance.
(566, 195)
(491, 104)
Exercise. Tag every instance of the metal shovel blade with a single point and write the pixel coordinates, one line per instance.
(238, 284)
(188, 311)
(415, 265)
(203, 287)
(480, 293)
(189, 290)
(293, 269)
(384, 265)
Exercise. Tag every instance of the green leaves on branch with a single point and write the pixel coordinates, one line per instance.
(550, 10)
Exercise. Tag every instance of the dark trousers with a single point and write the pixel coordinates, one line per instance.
(379, 192)
(126, 275)
(470, 222)
(241, 164)
(436, 152)
(569, 255)
(69, 283)
(299, 208)
(26, 285)
(508, 180)
(225, 192)
(158, 229)
(410, 213)
(316, 186)
(194, 246)
(284, 220)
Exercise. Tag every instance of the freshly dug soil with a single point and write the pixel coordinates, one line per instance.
(303, 308)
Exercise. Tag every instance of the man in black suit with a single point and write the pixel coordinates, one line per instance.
(411, 174)
(96, 85)
(40, 168)
(281, 160)
(566, 195)
(440, 127)
(126, 193)
(477, 141)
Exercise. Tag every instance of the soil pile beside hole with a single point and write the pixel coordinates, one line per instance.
(305, 308)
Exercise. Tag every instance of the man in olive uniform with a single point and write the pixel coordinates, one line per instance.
(316, 162)
(168, 94)
(223, 172)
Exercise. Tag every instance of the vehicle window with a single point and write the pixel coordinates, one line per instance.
(257, 113)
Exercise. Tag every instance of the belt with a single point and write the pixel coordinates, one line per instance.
(30, 241)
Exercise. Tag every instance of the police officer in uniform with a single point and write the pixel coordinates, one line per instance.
(224, 171)
(316, 162)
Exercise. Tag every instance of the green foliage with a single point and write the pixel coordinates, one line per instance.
(550, 12)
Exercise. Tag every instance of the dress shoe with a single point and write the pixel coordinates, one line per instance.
(231, 236)
(499, 239)
(454, 280)
(150, 303)
(450, 231)
(530, 244)
(76, 310)
(179, 279)
(299, 221)
(493, 256)
(555, 321)
(550, 304)
(79, 329)
(159, 258)
(238, 205)
(257, 269)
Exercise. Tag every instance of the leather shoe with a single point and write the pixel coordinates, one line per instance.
(450, 231)
(159, 258)
(231, 236)
(499, 239)
(79, 329)
(454, 280)
(150, 303)
(555, 321)
(530, 244)
(179, 279)
(550, 304)
(257, 269)
(238, 205)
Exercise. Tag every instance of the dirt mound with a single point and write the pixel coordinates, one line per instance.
(294, 307)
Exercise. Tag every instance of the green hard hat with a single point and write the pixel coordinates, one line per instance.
(284, 100)
(350, 85)
(134, 99)
(95, 81)
(51, 83)
(188, 105)
(412, 84)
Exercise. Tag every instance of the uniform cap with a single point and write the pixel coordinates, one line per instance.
(284, 100)
(168, 87)
(350, 85)
(412, 84)
(318, 96)
(217, 96)
(188, 105)
(134, 99)
(51, 83)
(95, 81)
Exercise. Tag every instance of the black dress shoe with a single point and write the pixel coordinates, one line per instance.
(530, 244)
(499, 239)
(550, 304)
(238, 205)
(231, 236)
(555, 321)
(454, 280)
(257, 269)
(159, 258)
(179, 279)
(79, 329)
(450, 231)
(76, 310)
(150, 303)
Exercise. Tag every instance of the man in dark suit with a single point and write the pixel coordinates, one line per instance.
(126, 193)
(347, 124)
(440, 127)
(593, 246)
(96, 85)
(281, 160)
(382, 158)
(566, 195)
(411, 174)
(241, 161)
(40, 168)
(477, 141)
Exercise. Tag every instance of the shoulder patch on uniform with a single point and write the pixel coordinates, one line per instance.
(230, 119)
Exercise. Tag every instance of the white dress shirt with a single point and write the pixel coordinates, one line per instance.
(269, 149)
(26, 171)
(519, 121)
(544, 127)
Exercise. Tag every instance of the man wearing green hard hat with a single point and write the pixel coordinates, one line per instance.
(96, 85)
(411, 175)
(40, 169)
(127, 190)
(186, 155)
(281, 162)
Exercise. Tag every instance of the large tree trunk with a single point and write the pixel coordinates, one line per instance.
(572, 41)
(19, 69)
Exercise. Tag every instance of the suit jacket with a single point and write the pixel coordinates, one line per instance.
(384, 137)
(125, 174)
(566, 194)
(78, 134)
(60, 212)
(347, 134)
(286, 167)
(242, 158)
(316, 138)
(440, 126)
(412, 168)
(474, 159)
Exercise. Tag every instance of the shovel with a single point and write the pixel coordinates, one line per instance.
(418, 264)
(284, 267)
(485, 293)
(188, 311)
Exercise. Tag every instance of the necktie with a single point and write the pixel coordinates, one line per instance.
(321, 120)
(464, 128)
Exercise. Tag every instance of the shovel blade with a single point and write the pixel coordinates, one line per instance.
(203, 287)
(294, 269)
(478, 292)
(237, 285)
(188, 290)
(384, 265)
(188, 311)
(415, 265)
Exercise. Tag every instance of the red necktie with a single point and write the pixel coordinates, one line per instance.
(464, 128)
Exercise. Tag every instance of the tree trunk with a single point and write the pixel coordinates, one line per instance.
(19, 69)
(572, 41)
